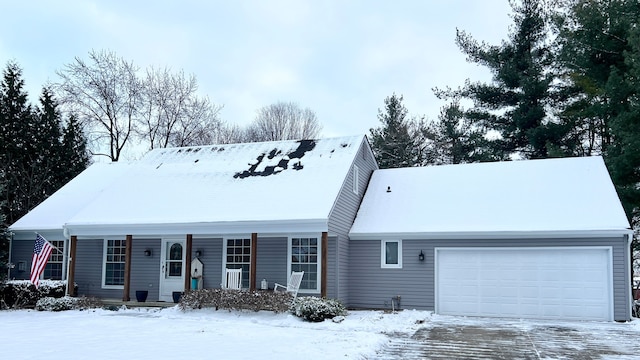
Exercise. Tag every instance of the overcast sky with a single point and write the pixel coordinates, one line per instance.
(339, 58)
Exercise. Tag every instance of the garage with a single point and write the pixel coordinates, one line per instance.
(571, 283)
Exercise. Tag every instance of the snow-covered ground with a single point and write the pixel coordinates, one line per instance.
(207, 334)
(203, 334)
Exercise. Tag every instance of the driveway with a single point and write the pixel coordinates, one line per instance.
(448, 337)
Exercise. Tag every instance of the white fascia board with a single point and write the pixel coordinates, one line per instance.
(492, 235)
(242, 227)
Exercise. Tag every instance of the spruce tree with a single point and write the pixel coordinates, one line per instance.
(75, 157)
(394, 142)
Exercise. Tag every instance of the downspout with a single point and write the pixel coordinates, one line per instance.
(65, 233)
(629, 278)
(9, 263)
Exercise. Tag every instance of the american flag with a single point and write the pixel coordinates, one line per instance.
(41, 251)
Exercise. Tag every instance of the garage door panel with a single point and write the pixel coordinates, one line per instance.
(525, 282)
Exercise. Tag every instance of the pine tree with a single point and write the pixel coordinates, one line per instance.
(515, 103)
(75, 157)
(394, 142)
(457, 140)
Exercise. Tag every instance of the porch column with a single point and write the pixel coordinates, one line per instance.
(253, 257)
(127, 269)
(187, 260)
(71, 271)
(323, 271)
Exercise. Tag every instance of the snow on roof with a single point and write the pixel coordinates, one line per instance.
(568, 194)
(285, 180)
(71, 198)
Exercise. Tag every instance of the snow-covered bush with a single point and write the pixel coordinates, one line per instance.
(317, 309)
(18, 294)
(66, 303)
(235, 300)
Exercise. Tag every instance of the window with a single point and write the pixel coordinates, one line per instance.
(356, 179)
(305, 257)
(391, 254)
(114, 258)
(238, 256)
(55, 266)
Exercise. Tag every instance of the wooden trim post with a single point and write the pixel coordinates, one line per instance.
(323, 271)
(127, 269)
(187, 265)
(253, 258)
(73, 243)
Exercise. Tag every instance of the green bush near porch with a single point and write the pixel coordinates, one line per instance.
(236, 300)
(20, 294)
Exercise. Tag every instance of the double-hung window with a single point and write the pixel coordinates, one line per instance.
(114, 259)
(54, 269)
(305, 256)
(391, 254)
(238, 256)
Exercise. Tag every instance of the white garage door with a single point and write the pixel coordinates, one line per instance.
(553, 283)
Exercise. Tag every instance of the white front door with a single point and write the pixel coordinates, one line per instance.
(171, 268)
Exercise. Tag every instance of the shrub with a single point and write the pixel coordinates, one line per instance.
(66, 303)
(235, 300)
(18, 294)
(317, 309)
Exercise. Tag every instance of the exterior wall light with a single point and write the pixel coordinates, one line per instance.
(198, 253)
(147, 252)
(421, 256)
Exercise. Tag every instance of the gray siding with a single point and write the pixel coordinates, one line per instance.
(22, 250)
(340, 221)
(88, 273)
(271, 262)
(145, 270)
(373, 287)
(211, 260)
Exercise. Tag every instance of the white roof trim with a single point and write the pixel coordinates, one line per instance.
(240, 227)
(461, 235)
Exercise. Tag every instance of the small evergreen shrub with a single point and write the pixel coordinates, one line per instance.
(316, 309)
(235, 300)
(19, 294)
(67, 303)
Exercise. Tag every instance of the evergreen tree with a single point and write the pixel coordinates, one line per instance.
(515, 103)
(75, 156)
(457, 140)
(16, 135)
(599, 53)
(394, 142)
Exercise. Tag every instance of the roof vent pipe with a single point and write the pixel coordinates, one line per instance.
(388, 188)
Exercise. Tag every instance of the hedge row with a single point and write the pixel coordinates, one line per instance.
(19, 294)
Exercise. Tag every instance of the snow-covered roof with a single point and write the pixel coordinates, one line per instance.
(491, 199)
(71, 198)
(238, 185)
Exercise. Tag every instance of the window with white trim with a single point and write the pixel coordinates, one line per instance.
(54, 269)
(356, 179)
(238, 256)
(391, 254)
(114, 260)
(304, 256)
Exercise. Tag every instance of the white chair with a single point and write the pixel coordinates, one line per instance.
(293, 285)
(232, 279)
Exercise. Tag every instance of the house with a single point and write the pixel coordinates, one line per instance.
(524, 239)
(269, 208)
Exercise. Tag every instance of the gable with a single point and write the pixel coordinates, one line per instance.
(551, 195)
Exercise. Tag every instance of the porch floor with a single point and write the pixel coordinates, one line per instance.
(133, 303)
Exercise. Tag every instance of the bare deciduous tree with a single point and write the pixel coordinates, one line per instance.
(172, 114)
(283, 121)
(105, 94)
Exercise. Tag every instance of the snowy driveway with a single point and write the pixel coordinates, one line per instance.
(447, 337)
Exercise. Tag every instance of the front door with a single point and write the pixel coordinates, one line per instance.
(171, 268)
